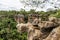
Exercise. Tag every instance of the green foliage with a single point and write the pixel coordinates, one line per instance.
(8, 30)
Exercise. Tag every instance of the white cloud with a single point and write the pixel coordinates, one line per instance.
(16, 5)
(11, 4)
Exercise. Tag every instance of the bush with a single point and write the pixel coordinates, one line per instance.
(8, 30)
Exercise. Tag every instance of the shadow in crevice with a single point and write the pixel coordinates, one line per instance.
(47, 31)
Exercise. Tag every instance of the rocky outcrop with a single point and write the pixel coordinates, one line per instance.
(43, 30)
(33, 34)
(54, 35)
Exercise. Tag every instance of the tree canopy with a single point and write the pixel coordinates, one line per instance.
(40, 3)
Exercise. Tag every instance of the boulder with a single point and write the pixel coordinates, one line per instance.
(47, 24)
(32, 32)
(46, 27)
(54, 35)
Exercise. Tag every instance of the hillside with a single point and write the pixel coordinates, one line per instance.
(8, 30)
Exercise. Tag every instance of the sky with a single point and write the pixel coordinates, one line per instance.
(17, 5)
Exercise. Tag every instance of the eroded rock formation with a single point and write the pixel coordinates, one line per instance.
(41, 30)
(54, 35)
(33, 33)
